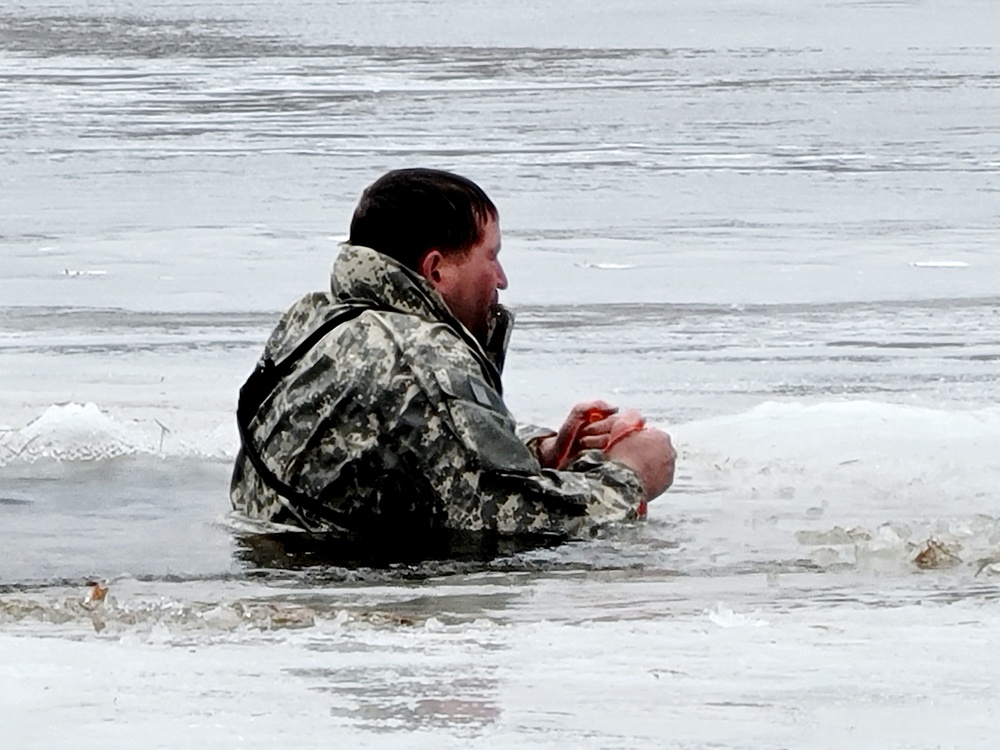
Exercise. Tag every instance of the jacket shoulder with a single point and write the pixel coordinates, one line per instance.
(304, 316)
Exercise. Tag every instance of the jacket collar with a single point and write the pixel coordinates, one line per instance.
(360, 273)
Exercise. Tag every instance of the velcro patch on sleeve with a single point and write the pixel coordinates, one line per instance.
(469, 388)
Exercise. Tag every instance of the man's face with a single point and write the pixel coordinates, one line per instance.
(469, 281)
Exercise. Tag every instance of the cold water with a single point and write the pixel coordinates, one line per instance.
(768, 225)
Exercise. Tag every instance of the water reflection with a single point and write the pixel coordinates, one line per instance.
(411, 556)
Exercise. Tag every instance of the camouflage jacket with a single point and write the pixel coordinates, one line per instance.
(396, 417)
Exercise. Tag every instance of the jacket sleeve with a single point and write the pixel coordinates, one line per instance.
(486, 476)
(531, 435)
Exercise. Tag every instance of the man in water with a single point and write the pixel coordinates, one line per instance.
(377, 408)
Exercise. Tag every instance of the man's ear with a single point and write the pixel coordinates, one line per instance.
(430, 267)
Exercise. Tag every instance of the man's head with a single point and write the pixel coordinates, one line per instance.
(445, 228)
(408, 212)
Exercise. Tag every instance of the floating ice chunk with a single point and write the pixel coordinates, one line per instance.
(726, 618)
(71, 432)
(222, 617)
(434, 625)
(940, 264)
(899, 454)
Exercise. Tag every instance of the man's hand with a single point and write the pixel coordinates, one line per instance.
(603, 433)
(623, 437)
(651, 455)
(558, 451)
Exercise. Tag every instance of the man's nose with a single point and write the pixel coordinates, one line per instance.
(501, 277)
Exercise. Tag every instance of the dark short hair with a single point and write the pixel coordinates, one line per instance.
(407, 212)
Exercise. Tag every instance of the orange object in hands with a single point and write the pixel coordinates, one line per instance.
(624, 425)
(627, 422)
(571, 446)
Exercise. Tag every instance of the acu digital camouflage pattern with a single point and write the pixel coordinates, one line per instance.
(394, 420)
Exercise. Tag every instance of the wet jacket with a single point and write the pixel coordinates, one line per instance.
(395, 417)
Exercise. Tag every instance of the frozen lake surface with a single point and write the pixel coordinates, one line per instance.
(768, 225)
